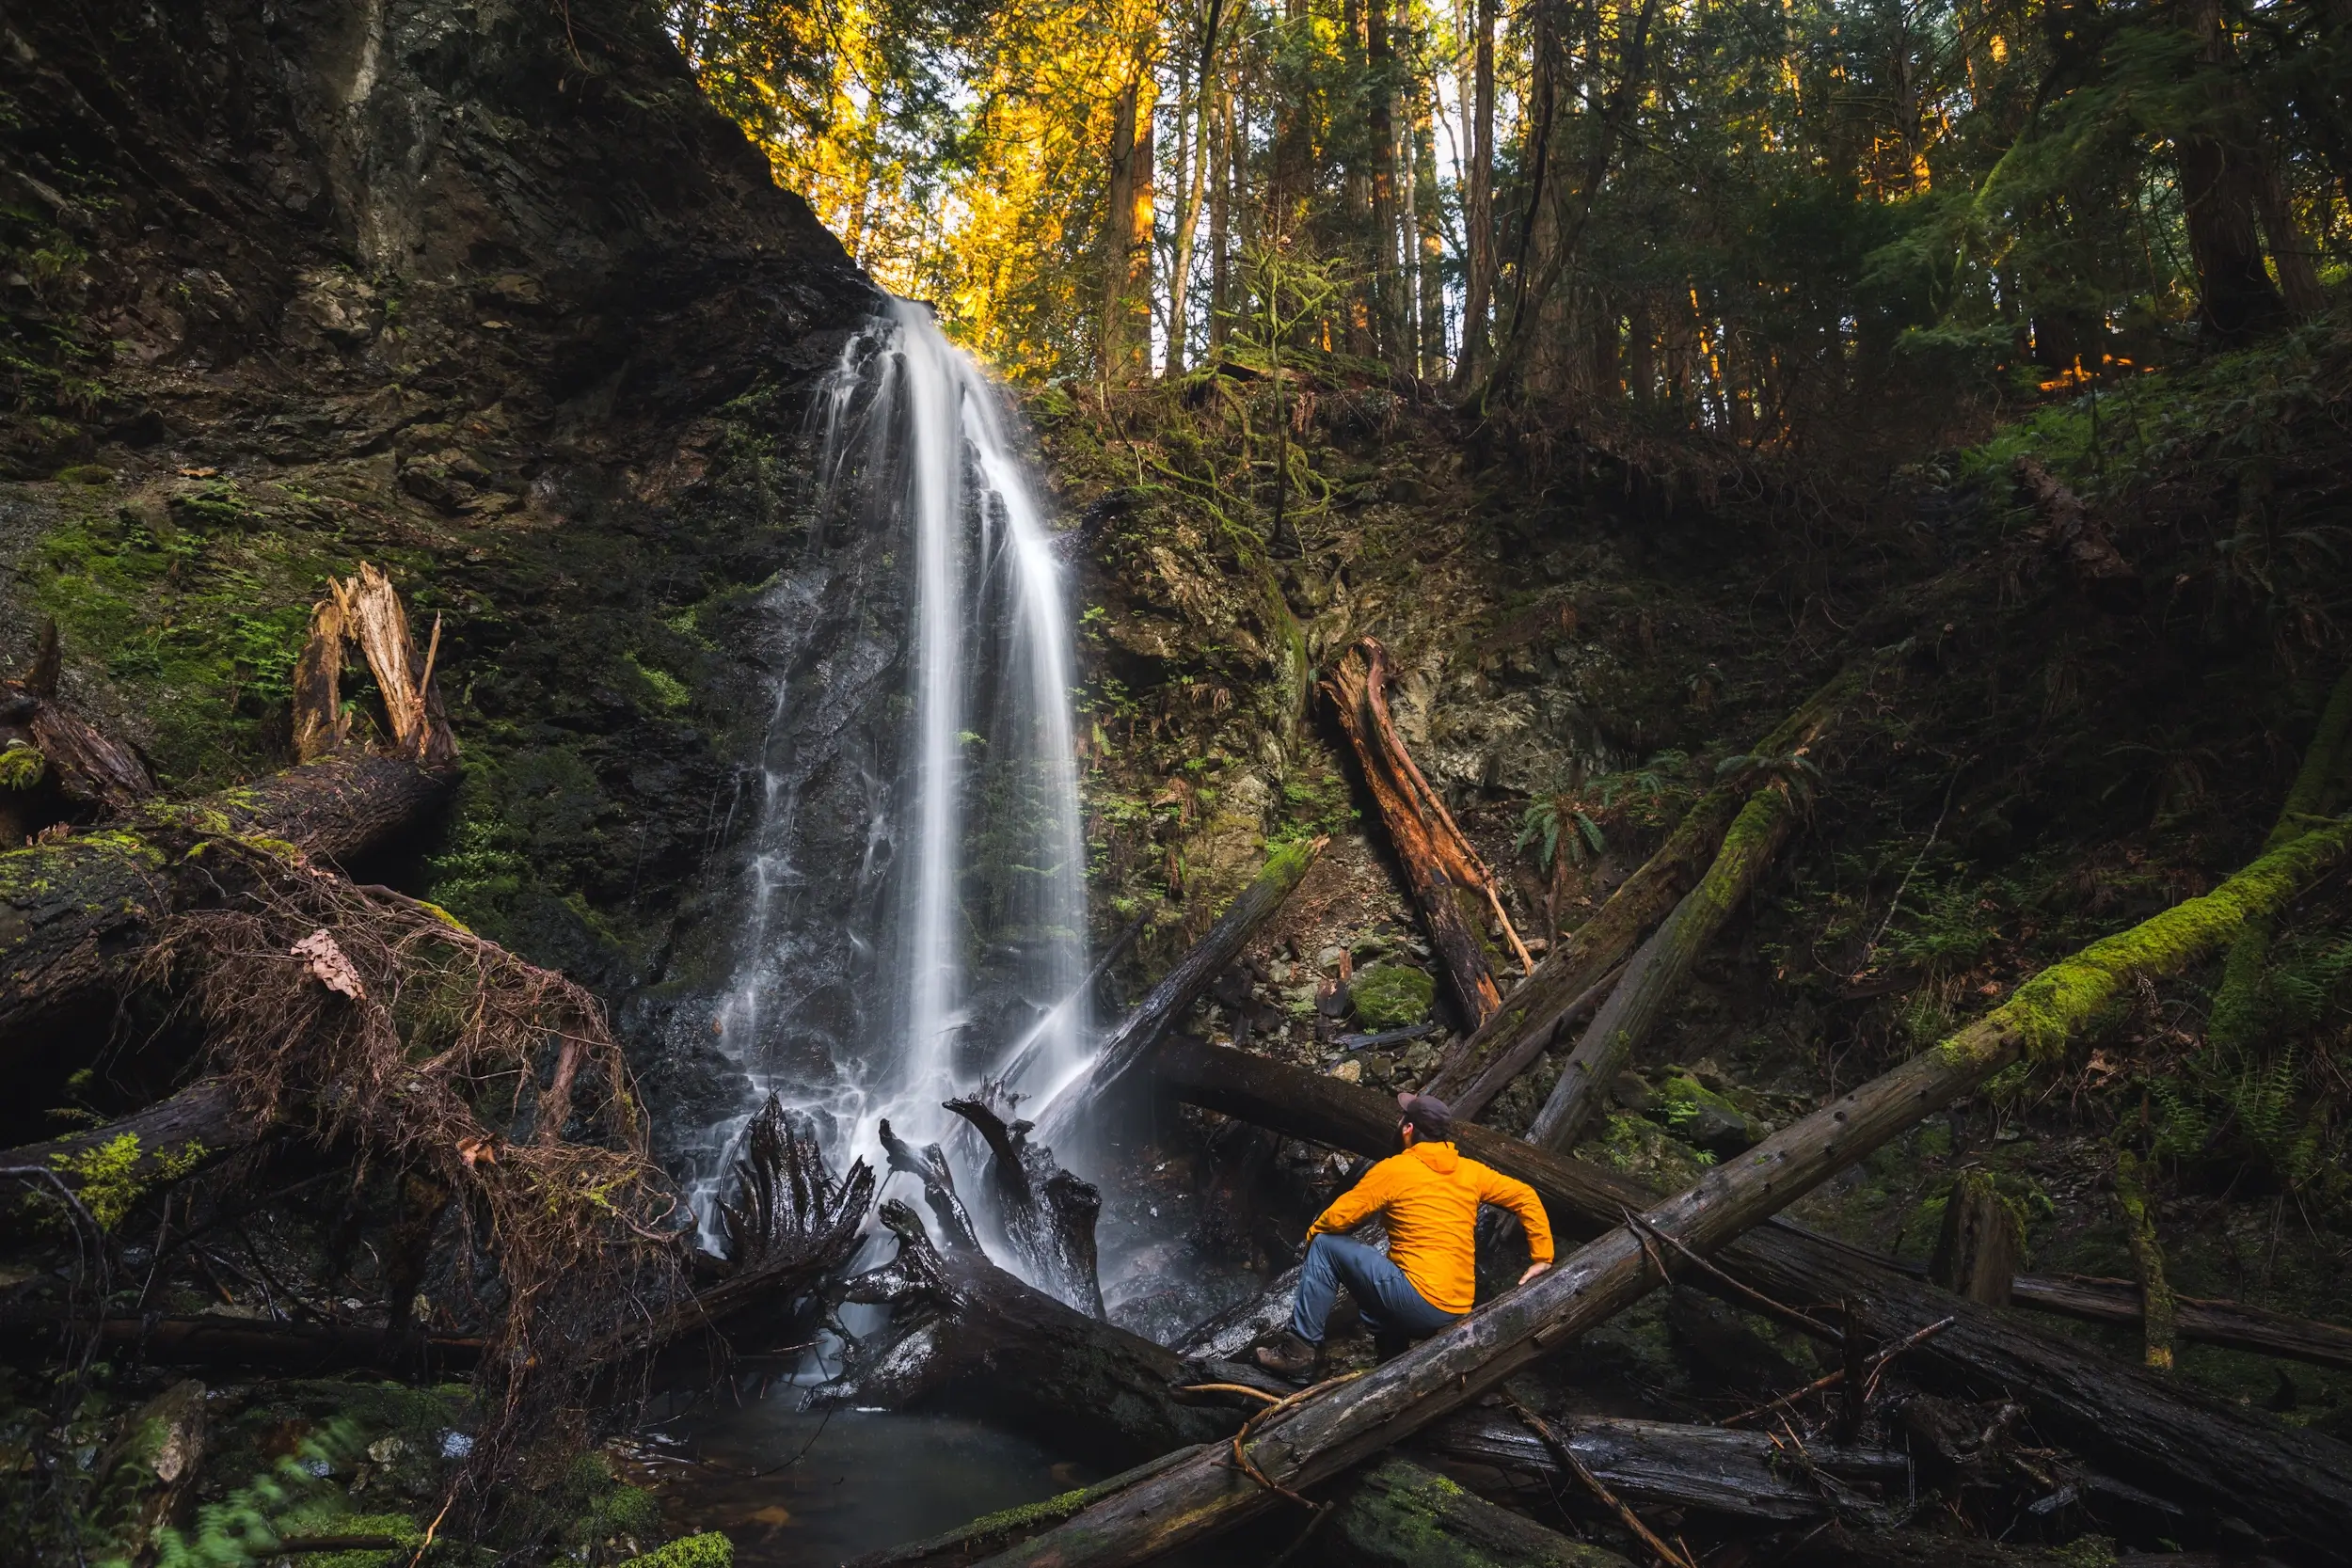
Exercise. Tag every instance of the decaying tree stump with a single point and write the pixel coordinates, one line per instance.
(53, 763)
(1328, 1432)
(1450, 883)
(1977, 1253)
(1045, 1214)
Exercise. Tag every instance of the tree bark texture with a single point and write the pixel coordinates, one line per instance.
(168, 1140)
(1485, 1064)
(1733, 1474)
(2219, 170)
(1450, 883)
(1128, 1045)
(1977, 1252)
(1332, 1430)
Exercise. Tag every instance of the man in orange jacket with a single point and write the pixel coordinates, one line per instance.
(1425, 1282)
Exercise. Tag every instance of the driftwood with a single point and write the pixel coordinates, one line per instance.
(1168, 1002)
(1450, 883)
(170, 1139)
(1330, 1431)
(1045, 1215)
(1659, 970)
(1737, 1475)
(964, 1335)
(2152, 1431)
(77, 913)
(1557, 989)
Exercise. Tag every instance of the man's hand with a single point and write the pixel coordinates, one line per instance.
(1533, 1270)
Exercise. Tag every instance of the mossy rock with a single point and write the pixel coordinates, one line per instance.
(22, 767)
(1700, 1116)
(1391, 995)
(709, 1550)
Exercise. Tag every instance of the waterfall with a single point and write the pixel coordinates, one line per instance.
(965, 912)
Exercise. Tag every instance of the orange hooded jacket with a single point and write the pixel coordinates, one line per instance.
(1429, 1196)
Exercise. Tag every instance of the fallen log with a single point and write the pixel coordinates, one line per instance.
(1396, 1514)
(77, 913)
(1485, 1063)
(1452, 886)
(966, 1335)
(1333, 1428)
(129, 1157)
(1737, 1475)
(1168, 1002)
(2170, 1438)
(2230, 1324)
(1660, 969)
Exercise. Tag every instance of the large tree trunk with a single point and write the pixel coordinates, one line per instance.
(1473, 1073)
(1165, 1002)
(1451, 884)
(1733, 1474)
(1331, 1431)
(2219, 170)
(2126, 1419)
(77, 913)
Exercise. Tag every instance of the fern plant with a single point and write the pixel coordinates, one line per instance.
(1549, 824)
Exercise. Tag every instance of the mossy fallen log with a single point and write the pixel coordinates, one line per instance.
(1553, 994)
(77, 912)
(1331, 1429)
(1779, 778)
(113, 1165)
(1398, 1515)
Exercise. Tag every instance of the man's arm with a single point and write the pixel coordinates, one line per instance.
(1357, 1204)
(1521, 1199)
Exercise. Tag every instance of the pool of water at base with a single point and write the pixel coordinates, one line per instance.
(794, 1489)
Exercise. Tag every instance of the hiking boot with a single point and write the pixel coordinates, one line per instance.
(1288, 1356)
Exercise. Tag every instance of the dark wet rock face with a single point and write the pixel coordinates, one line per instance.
(487, 294)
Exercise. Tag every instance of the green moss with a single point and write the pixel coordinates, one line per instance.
(115, 1175)
(709, 1550)
(2069, 994)
(1392, 994)
(1029, 1515)
(22, 767)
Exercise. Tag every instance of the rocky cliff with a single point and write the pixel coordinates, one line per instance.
(487, 294)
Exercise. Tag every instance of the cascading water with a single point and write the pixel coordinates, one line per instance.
(965, 916)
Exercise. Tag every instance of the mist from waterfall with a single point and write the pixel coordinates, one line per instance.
(968, 912)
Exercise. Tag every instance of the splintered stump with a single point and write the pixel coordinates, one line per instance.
(966, 1336)
(1450, 883)
(1126, 1047)
(1333, 1429)
(1045, 1214)
(1977, 1252)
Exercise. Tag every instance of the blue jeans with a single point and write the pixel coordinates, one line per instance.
(1391, 1307)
